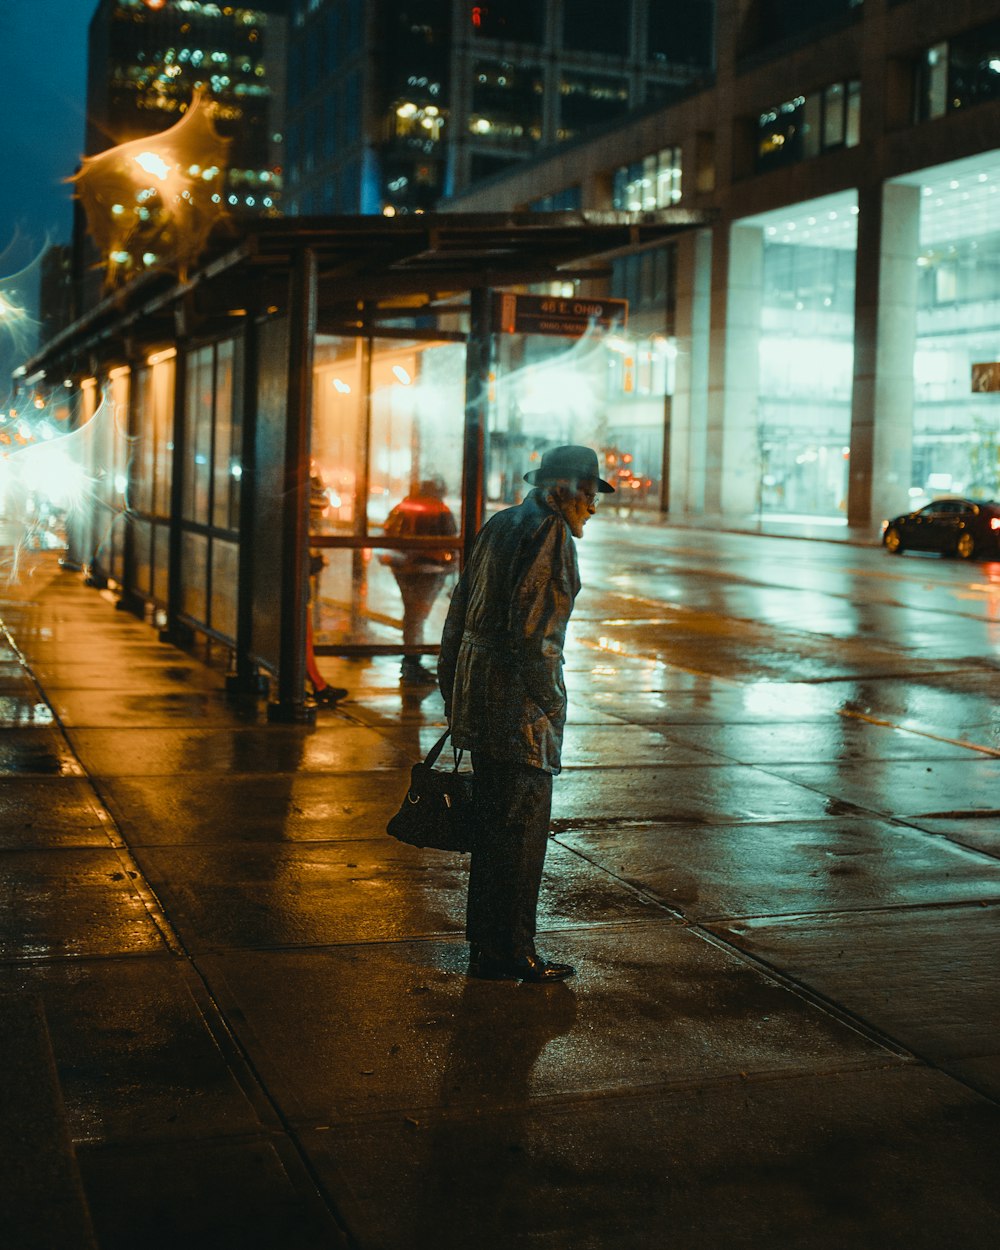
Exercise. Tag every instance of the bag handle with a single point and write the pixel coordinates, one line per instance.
(431, 757)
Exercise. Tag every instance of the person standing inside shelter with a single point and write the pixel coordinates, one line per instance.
(501, 675)
(419, 573)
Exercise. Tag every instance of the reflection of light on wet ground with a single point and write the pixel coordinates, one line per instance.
(768, 698)
(907, 726)
(14, 711)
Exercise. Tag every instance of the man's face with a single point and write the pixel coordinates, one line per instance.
(580, 506)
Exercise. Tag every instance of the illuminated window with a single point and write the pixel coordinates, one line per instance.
(507, 103)
(654, 182)
(805, 126)
(960, 73)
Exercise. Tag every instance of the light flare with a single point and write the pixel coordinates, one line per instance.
(138, 226)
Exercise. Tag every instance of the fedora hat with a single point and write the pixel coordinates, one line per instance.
(572, 463)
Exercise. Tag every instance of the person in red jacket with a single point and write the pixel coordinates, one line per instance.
(420, 573)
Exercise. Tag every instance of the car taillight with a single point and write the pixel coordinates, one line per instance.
(885, 526)
(995, 523)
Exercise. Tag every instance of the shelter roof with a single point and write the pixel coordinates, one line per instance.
(363, 263)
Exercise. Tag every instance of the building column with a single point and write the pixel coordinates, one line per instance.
(689, 404)
(733, 460)
(885, 339)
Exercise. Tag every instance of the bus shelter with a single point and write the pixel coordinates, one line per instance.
(243, 436)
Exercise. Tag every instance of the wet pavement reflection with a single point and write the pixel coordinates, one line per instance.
(775, 863)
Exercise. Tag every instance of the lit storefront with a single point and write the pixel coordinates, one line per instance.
(805, 355)
(956, 427)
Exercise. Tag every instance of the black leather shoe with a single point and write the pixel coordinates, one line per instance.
(531, 968)
(329, 695)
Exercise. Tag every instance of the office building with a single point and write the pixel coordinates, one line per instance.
(392, 103)
(812, 353)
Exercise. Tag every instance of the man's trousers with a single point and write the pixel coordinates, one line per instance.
(514, 805)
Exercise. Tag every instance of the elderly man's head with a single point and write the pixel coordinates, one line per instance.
(570, 478)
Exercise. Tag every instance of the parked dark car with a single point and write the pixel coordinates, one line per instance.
(955, 527)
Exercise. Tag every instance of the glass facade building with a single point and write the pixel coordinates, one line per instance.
(391, 106)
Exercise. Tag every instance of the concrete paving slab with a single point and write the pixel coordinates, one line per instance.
(700, 794)
(335, 746)
(367, 1031)
(272, 807)
(154, 677)
(37, 751)
(110, 709)
(978, 830)
(588, 743)
(41, 812)
(745, 648)
(953, 704)
(376, 890)
(41, 1199)
(419, 706)
(71, 902)
(863, 1160)
(137, 644)
(904, 788)
(840, 739)
(230, 1194)
(725, 703)
(596, 746)
(927, 978)
(772, 869)
(135, 1057)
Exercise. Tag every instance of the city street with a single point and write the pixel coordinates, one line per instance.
(775, 863)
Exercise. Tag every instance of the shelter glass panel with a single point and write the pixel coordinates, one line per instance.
(115, 453)
(161, 564)
(194, 596)
(151, 466)
(607, 389)
(142, 580)
(212, 478)
(198, 436)
(225, 580)
(388, 418)
(227, 467)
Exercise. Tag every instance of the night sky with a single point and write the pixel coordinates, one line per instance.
(43, 74)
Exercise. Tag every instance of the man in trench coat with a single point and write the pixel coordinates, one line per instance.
(500, 672)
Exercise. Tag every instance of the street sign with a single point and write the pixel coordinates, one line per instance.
(554, 314)
(986, 377)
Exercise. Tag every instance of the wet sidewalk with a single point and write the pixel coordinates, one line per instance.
(245, 1011)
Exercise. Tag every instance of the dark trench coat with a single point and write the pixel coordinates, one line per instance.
(501, 663)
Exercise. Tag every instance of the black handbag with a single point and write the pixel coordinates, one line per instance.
(437, 810)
